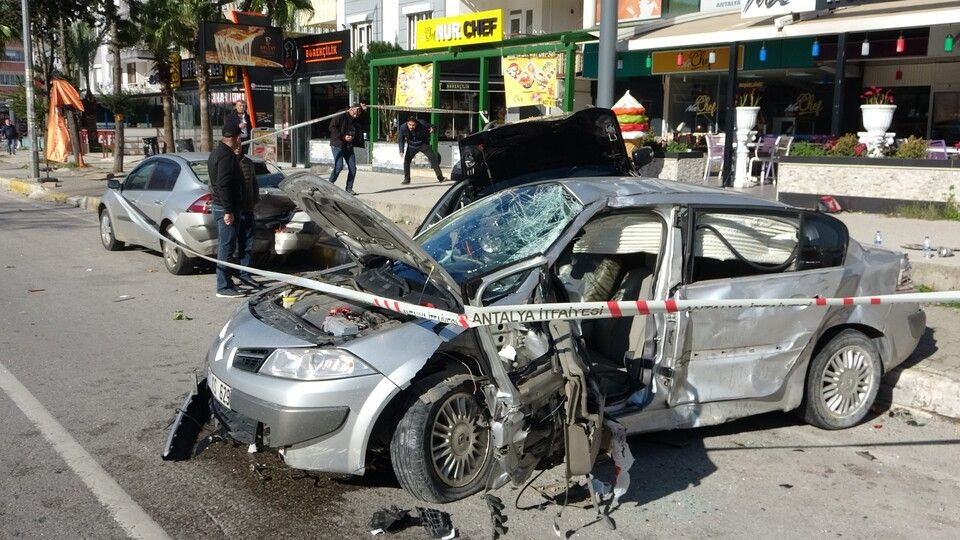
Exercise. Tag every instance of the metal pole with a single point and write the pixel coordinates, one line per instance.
(28, 85)
(607, 68)
(730, 124)
(836, 125)
(569, 80)
(484, 105)
(435, 116)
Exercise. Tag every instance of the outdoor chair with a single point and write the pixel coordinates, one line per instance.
(715, 144)
(781, 150)
(937, 149)
(763, 153)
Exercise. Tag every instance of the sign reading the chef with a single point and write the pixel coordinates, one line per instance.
(530, 80)
(470, 29)
(806, 104)
(767, 8)
(687, 60)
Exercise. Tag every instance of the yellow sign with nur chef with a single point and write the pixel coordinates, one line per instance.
(470, 29)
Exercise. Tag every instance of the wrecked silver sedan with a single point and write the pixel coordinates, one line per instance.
(331, 384)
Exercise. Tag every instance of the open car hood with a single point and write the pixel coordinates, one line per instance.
(365, 232)
(590, 138)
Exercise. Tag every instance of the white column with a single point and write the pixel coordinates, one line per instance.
(589, 13)
(742, 175)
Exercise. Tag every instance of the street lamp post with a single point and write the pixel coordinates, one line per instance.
(28, 86)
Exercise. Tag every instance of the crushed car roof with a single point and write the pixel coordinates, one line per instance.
(645, 191)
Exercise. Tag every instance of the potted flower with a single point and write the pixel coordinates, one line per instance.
(748, 107)
(877, 109)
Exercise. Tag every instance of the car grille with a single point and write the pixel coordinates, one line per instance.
(250, 359)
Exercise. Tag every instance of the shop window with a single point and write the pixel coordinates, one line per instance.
(946, 117)
(360, 36)
(412, 27)
(521, 22)
(730, 245)
(910, 118)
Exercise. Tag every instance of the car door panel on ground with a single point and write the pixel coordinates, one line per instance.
(132, 189)
(747, 353)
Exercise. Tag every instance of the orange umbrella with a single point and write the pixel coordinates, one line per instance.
(62, 94)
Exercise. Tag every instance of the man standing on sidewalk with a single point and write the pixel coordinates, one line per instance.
(231, 211)
(239, 117)
(10, 133)
(416, 133)
(345, 134)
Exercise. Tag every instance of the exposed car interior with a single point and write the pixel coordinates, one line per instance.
(615, 257)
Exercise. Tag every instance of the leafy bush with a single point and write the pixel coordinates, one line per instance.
(912, 148)
(845, 146)
(674, 146)
(806, 149)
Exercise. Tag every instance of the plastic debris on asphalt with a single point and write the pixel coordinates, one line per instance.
(622, 458)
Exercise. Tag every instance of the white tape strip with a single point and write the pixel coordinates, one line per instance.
(486, 316)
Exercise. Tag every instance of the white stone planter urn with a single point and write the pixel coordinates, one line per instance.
(877, 118)
(747, 117)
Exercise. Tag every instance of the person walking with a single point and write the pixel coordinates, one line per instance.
(10, 133)
(239, 117)
(230, 210)
(416, 134)
(345, 135)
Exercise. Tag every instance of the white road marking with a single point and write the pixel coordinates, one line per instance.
(127, 513)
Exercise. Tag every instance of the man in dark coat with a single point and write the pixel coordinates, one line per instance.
(346, 133)
(232, 210)
(9, 132)
(416, 134)
(238, 117)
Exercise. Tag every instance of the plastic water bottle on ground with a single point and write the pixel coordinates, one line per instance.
(877, 239)
(926, 248)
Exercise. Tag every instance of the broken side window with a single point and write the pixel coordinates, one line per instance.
(729, 245)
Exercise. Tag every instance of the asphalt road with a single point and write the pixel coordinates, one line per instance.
(88, 385)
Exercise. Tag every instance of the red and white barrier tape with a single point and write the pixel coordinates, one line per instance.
(494, 315)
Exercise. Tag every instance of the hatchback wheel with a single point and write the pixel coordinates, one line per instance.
(109, 241)
(174, 259)
(843, 381)
(441, 449)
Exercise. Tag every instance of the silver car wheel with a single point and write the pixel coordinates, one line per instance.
(170, 254)
(106, 229)
(847, 381)
(459, 441)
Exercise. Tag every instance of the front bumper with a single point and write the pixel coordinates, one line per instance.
(273, 425)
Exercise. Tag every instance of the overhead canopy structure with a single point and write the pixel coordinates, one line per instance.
(730, 27)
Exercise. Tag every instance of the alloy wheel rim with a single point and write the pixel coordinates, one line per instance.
(106, 231)
(170, 254)
(847, 381)
(459, 443)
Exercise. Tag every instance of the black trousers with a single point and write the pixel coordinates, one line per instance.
(426, 150)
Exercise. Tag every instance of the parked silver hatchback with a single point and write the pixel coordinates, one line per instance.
(548, 212)
(172, 191)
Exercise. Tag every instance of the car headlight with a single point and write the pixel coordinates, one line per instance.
(314, 364)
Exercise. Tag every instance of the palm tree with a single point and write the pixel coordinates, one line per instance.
(282, 13)
(192, 13)
(82, 42)
(160, 28)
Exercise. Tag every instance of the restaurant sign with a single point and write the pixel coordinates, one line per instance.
(766, 8)
(242, 45)
(470, 29)
(806, 104)
(312, 55)
(693, 60)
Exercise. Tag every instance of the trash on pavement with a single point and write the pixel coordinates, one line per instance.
(178, 315)
(35, 290)
(907, 416)
(124, 297)
(390, 520)
(622, 458)
(867, 456)
(497, 519)
(437, 523)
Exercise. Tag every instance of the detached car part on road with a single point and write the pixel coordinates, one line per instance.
(172, 190)
(548, 212)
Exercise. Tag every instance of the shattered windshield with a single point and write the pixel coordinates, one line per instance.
(500, 229)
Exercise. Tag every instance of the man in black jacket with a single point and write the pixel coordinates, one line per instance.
(345, 135)
(231, 210)
(239, 117)
(9, 132)
(416, 133)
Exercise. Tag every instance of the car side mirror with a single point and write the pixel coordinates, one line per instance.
(642, 157)
(113, 183)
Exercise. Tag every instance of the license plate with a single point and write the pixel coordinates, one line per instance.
(220, 390)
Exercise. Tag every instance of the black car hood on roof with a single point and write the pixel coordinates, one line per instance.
(587, 138)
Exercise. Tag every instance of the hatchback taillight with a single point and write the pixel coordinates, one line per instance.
(201, 205)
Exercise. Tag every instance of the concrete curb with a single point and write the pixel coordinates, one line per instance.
(924, 389)
(37, 192)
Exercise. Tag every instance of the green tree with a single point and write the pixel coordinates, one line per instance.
(122, 34)
(282, 13)
(82, 42)
(357, 71)
(160, 30)
(193, 13)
